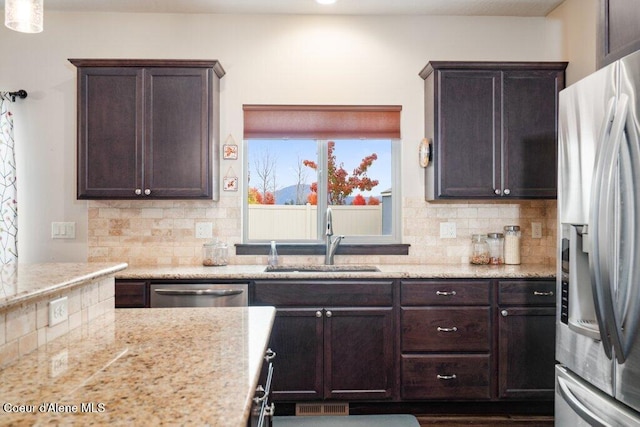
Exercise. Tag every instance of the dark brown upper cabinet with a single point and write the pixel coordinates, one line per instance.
(494, 129)
(148, 129)
(618, 30)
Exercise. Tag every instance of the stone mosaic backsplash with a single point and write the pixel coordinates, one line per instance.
(162, 233)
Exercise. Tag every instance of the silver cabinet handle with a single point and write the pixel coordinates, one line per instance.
(147, 192)
(270, 410)
(446, 293)
(269, 355)
(138, 191)
(453, 329)
(318, 313)
(329, 314)
(210, 292)
(504, 313)
(543, 294)
(507, 191)
(497, 191)
(446, 377)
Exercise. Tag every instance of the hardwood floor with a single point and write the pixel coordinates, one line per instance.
(485, 421)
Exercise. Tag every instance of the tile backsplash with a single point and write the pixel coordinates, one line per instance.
(162, 233)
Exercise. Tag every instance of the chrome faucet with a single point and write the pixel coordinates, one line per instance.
(331, 242)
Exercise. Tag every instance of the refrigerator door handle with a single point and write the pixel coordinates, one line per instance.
(579, 408)
(595, 263)
(607, 235)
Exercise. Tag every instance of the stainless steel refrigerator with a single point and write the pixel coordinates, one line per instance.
(598, 280)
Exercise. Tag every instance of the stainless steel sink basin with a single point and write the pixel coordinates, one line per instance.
(320, 268)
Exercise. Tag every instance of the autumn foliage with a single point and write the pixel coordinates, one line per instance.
(340, 183)
(256, 198)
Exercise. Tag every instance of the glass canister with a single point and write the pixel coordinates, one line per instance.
(512, 244)
(479, 249)
(495, 241)
(215, 254)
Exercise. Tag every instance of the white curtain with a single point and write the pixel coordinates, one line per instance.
(8, 202)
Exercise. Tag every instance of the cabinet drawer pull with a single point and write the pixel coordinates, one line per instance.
(446, 293)
(453, 329)
(269, 355)
(543, 294)
(258, 399)
(446, 377)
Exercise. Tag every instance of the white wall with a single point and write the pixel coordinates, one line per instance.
(268, 59)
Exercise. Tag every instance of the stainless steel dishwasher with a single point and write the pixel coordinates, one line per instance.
(199, 295)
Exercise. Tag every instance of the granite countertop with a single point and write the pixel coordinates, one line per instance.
(179, 366)
(22, 282)
(394, 271)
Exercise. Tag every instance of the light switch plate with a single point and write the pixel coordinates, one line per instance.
(536, 230)
(63, 230)
(58, 311)
(447, 230)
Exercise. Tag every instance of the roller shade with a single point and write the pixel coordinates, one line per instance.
(320, 121)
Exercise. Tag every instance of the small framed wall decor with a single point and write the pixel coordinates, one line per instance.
(230, 181)
(230, 149)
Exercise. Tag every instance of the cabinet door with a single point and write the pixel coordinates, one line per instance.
(297, 338)
(467, 133)
(530, 127)
(358, 353)
(618, 30)
(526, 352)
(177, 138)
(109, 132)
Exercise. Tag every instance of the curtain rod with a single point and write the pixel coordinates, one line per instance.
(22, 94)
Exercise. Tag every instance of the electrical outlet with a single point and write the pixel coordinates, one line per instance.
(447, 230)
(58, 311)
(204, 230)
(536, 230)
(59, 364)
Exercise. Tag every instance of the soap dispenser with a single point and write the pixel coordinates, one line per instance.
(273, 255)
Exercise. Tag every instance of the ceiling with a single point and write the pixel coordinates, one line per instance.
(341, 7)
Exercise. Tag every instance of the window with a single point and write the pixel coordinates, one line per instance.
(301, 160)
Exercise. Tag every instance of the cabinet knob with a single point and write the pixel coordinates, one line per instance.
(138, 191)
(504, 313)
(329, 314)
(497, 191)
(147, 192)
(507, 191)
(318, 313)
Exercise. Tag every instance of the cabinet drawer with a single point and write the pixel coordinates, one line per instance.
(327, 293)
(445, 292)
(445, 377)
(527, 292)
(131, 294)
(446, 329)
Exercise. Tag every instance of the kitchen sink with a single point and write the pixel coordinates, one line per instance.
(320, 268)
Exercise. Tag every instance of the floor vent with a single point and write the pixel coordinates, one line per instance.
(316, 409)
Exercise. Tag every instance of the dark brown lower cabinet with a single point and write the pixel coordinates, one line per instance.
(131, 294)
(526, 358)
(334, 339)
(526, 339)
(333, 353)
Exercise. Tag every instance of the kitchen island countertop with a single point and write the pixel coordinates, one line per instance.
(387, 271)
(174, 366)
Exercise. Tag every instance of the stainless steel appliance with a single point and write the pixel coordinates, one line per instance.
(199, 295)
(597, 343)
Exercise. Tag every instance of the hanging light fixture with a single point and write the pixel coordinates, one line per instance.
(24, 16)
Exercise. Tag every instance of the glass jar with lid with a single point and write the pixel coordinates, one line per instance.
(495, 241)
(512, 244)
(479, 249)
(215, 253)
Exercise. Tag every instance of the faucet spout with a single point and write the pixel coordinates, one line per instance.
(331, 243)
